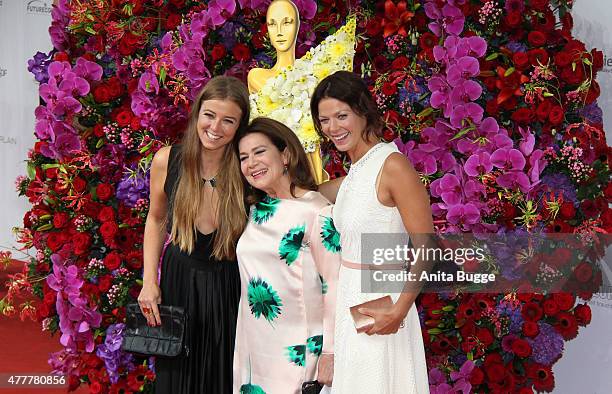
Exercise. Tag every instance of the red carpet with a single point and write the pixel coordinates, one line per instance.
(24, 349)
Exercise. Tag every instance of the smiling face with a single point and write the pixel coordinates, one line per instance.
(341, 124)
(218, 121)
(262, 164)
(283, 25)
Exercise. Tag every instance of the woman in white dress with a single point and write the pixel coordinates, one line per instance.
(382, 193)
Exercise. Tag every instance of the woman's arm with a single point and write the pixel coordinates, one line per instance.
(325, 248)
(330, 189)
(154, 236)
(401, 186)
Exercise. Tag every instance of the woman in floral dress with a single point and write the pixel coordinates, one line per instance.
(289, 259)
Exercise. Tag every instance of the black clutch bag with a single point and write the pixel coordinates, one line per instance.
(312, 387)
(167, 340)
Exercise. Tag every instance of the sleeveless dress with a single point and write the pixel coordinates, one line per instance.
(210, 291)
(381, 364)
(289, 259)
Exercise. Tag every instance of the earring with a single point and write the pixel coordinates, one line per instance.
(285, 172)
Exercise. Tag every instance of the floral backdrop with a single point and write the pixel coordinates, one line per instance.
(494, 102)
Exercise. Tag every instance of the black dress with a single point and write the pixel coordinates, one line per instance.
(210, 292)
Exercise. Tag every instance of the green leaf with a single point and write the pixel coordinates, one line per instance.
(492, 56)
(330, 236)
(45, 227)
(90, 30)
(574, 66)
(587, 62)
(448, 308)
(263, 300)
(509, 71)
(426, 112)
(31, 169)
(100, 143)
(290, 245)
(434, 331)
(462, 133)
(162, 75)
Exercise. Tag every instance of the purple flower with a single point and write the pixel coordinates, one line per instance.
(220, 11)
(591, 113)
(60, 18)
(148, 82)
(560, 183)
(514, 179)
(465, 92)
(87, 69)
(466, 67)
(515, 6)
(453, 19)
(547, 345)
(133, 186)
(462, 378)
(437, 382)
(463, 215)
(307, 8)
(110, 351)
(64, 145)
(472, 46)
(253, 4)
(478, 164)
(509, 159)
(38, 66)
(461, 113)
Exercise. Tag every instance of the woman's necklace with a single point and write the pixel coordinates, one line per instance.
(212, 181)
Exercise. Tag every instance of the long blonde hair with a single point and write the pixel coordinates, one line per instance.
(187, 196)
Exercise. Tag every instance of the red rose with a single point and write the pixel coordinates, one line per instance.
(178, 3)
(106, 214)
(523, 116)
(112, 261)
(531, 329)
(477, 376)
(114, 86)
(540, 5)
(51, 173)
(60, 219)
(124, 118)
(593, 92)
(218, 52)
(583, 314)
(550, 307)
(241, 52)
(101, 93)
(531, 311)
(104, 283)
(598, 59)
(98, 130)
(521, 348)
(485, 336)
(567, 210)
(109, 229)
(538, 57)
(589, 208)
(573, 75)
(172, 21)
(61, 57)
(583, 272)
(556, 115)
(563, 59)
(55, 241)
(104, 191)
(400, 63)
(374, 27)
(79, 184)
(513, 19)
(521, 60)
(565, 301)
(81, 243)
(495, 371)
(42, 311)
(536, 38)
(543, 110)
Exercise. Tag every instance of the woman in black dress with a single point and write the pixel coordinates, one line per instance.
(197, 197)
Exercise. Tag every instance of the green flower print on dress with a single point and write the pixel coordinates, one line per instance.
(291, 244)
(315, 344)
(297, 354)
(251, 389)
(330, 236)
(263, 300)
(265, 209)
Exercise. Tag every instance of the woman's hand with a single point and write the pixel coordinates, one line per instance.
(148, 299)
(386, 321)
(325, 370)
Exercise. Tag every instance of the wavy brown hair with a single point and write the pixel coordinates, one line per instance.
(230, 211)
(351, 89)
(282, 138)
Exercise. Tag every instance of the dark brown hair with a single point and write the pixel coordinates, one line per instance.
(230, 185)
(282, 138)
(349, 88)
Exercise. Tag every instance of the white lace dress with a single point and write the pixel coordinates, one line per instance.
(377, 364)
